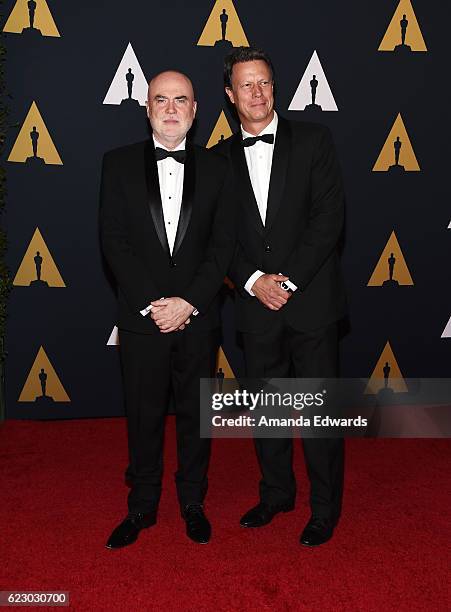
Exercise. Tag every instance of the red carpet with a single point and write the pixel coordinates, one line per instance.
(63, 492)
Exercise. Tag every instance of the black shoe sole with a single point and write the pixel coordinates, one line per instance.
(197, 541)
(120, 546)
(285, 509)
(150, 524)
(314, 545)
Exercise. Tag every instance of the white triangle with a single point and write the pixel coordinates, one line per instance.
(449, 226)
(303, 95)
(447, 331)
(113, 340)
(118, 90)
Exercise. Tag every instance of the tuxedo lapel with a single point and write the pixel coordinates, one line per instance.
(280, 160)
(244, 182)
(189, 184)
(154, 194)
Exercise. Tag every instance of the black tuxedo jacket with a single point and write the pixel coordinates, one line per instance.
(134, 239)
(304, 221)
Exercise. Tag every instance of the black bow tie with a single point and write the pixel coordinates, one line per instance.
(179, 155)
(251, 140)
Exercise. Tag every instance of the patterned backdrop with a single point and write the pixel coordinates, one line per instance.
(374, 72)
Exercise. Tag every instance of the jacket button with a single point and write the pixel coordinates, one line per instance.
(267, 248)
(173, 264)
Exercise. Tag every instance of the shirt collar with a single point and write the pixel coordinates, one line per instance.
(271, 128)
(180, 147)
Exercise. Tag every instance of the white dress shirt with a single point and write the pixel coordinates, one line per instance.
(259, 163)
(170, 177)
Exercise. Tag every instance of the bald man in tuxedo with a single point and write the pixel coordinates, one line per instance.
(167, 234)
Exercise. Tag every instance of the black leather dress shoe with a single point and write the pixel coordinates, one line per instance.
(127, 532)
(198, 528)
(263, 514)
(317, 531)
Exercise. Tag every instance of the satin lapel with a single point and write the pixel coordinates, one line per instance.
(280, 160)
(244, 182)
(154, 195)
(189, 185)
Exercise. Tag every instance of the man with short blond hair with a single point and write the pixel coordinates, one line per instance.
(289, 289)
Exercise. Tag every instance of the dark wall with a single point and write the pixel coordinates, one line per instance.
(68, 78)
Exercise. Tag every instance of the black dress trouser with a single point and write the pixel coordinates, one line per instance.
(283, 352)
(152, 364)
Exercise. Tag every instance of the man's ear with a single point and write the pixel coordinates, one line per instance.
(229, 92)
(194, 108)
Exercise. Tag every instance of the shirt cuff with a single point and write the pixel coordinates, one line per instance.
(195, 312)
(251, 281)
(146, 311)
(291, 285)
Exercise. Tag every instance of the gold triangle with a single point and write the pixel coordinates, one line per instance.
(212, 32)
(391, 257)
(413, 37)
(395, 380)
(221, 131)
(222, 362)
(19, 19)
(407, 159)
(33, 389)
(38, 257)
(22, 150)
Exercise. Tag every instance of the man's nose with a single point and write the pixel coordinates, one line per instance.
(171, 107)
(257, 90)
